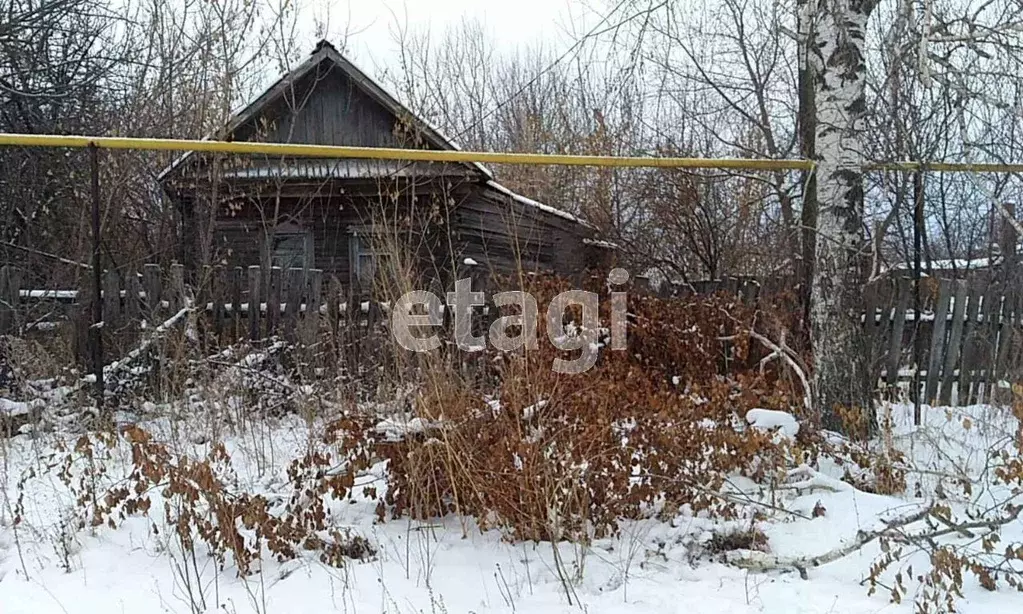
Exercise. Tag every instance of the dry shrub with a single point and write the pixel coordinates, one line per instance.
(736, 539)
(879, 469)
(554, 456)
(963, 545)
(202, 501)
(39, 356)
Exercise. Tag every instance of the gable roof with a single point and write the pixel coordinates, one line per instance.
(325, 52)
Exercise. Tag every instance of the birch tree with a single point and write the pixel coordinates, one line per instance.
(838, 51)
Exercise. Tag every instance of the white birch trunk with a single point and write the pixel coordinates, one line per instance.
(840, 372)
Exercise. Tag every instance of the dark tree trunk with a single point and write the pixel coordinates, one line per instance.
(807, 123)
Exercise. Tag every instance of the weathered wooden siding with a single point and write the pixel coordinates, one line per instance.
(505, 235)
(325, 108)
(501, 234)
(239, 239)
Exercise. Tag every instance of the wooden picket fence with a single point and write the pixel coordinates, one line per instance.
(970, 335)
(239, 302)
(968, 338)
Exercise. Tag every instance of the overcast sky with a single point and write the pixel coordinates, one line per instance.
(510, 23)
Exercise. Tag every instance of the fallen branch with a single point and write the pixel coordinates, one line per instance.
(894, 529)
(762, 561)
(120, 365)
(813, 479)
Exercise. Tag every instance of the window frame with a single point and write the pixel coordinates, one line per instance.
(360, 246)
(285, 232)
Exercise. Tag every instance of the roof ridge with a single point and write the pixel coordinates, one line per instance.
(369, 86)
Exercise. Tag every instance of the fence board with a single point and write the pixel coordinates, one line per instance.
(1015, 352)
(311, 319)
(955, 339)
(255, 276)
(1006, 333)
(111, 299)
(176, 288)
(10, 296)
(872, 329)
(894, 359)
(273, 301)
(296, 289)
(334, 304)
(236, 277)
(203, 293)
(750, 291)
(969, 347)
(992, 313)
(219, 295)
(937, 340)
(152, 278)
(132, 300)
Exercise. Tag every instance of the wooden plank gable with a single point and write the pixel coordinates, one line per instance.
(325, 107)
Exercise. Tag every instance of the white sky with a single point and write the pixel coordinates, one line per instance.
(511, 24)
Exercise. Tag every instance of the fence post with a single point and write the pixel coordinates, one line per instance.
(97, 281)
(177, 298)
(918, 229)
(152, 281)
(111, 299)
(255, 302)
(10, 295)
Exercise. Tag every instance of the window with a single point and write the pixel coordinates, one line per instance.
(290, 247)
(367, 260)
(288, 251)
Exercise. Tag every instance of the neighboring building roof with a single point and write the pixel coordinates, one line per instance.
(326, 52)
(951, 264)
(958, 264)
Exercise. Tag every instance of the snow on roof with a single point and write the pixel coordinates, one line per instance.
(950, 264)
(329, 168)
(529, 202)
(601, 243)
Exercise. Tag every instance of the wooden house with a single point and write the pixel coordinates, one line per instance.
(345, 215)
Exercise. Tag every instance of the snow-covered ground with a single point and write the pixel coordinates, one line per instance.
(449, 566)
